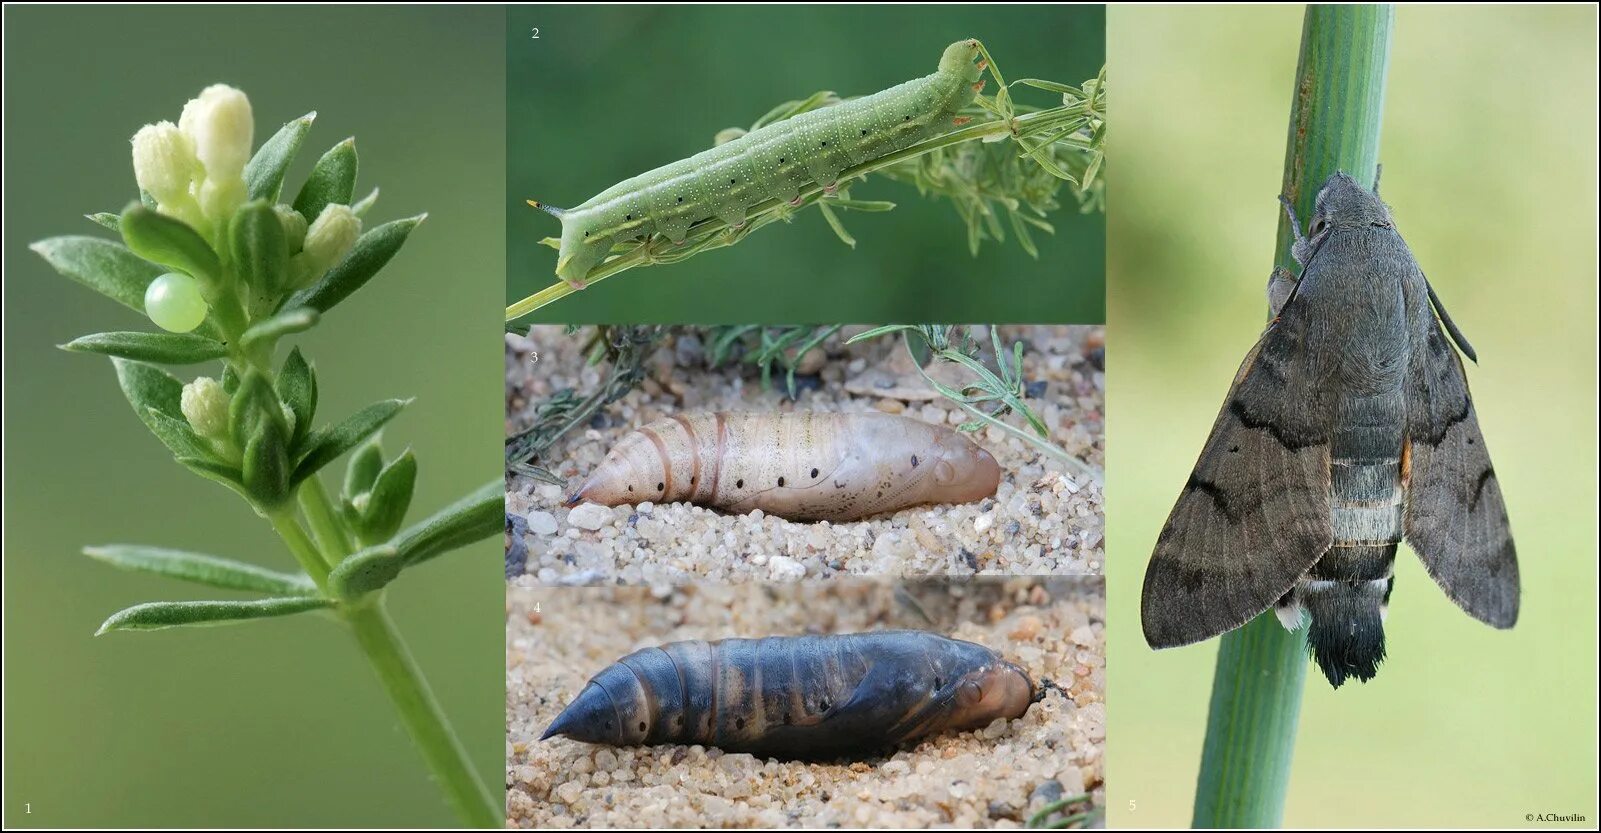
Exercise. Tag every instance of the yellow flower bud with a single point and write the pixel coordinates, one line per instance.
(205, 404)
(220, 123)
(164, 162)
(329, 239)
(294, 227)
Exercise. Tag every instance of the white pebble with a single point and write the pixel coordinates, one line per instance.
(541, 523)
(589, 516)
(984, 522)
(785, 568)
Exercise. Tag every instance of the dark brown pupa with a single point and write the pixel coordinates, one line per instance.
(797, 697)
(804, 466)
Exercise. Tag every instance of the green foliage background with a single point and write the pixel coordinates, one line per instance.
(1489, 151)
(606, 93)
(275, 723)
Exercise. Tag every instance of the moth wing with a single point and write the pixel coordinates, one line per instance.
(1455, 518)
(1254, 515)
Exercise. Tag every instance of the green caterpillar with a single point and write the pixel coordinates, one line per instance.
(774, 162)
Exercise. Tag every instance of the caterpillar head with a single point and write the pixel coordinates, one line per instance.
(963, 471)
(581, 251)
(959, 57)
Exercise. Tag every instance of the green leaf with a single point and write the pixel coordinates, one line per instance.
(153, 616)
(163, 348)
(107, 219)
(297, 388)
(325, 444)
(333, 180)
(264, 176)
(201, 569)
(371, 252)
(365, 572)
(166, 240)
(259, 248)
(217, 471)
(106, 267)
(255, 402)
(362, 470)
(390, 497)
(155, 396)
(473, 518)
(834, 223)
(297, 320)
(266, 468)
(361, 208)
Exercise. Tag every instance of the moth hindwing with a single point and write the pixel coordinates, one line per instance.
(1348, 429)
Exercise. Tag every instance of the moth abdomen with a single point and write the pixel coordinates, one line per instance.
(1346, 633)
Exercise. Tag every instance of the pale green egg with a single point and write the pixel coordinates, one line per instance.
(174, 302)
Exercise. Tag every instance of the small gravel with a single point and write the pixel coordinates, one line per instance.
(999, 776)
(1043, 520)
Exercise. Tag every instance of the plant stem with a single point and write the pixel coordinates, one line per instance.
(1335, 119)
(1027, 124)
(425, 721)
(305, 551)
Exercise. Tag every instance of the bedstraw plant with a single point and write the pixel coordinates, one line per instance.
(214, 254)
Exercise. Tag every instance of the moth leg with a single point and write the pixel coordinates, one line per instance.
(978, 86)
(983, 64)
(1303, 247)
(1280, 286)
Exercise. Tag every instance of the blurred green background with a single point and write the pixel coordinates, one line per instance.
(1489, 152)
(278, 722)
(607, 93)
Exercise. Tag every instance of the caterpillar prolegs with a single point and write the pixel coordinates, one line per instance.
(801, 466)
(774, 162)
(804, 697)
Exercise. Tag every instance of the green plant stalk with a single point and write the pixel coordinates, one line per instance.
(425, 720)
(1026, 124)
(1335, 118)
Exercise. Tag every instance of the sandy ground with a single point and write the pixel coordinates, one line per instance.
(1043, 520)
(557, 637)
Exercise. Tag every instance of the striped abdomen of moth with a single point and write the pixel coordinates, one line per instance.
(798, 697)
(1349, 428)
(774, 162)
(803, 466)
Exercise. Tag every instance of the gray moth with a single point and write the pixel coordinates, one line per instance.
(1348, 429)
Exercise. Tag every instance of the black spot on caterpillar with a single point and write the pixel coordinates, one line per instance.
(875, 461)
(798, 697)
(811, 148)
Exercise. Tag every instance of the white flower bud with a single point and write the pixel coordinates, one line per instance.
(222, 127)
(205, 404)
(331, 236)
(164, 162)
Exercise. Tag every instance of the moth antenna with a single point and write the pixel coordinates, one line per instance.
(548, 209)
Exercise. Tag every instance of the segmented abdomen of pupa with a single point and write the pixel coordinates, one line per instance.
(797, 697)
(801, 466)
